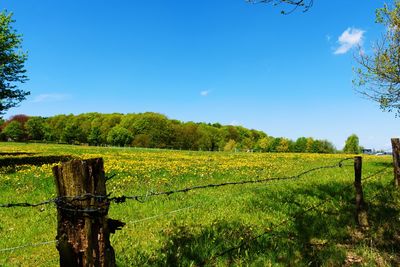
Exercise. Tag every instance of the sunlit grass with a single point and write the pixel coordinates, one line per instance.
(189, 229)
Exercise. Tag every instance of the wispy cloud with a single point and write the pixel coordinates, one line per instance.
(328, 38)
(350, 38)
(234, 123)
(50, 98)
(205, 93)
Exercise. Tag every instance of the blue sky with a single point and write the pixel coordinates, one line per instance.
(221, 61)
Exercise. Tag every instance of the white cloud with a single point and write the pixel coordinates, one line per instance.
(234, 123)
(205, 93)
(50, 98)
(350, 38)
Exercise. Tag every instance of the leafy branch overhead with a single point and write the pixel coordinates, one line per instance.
(12, 60)
(289, 5)
(378, 75)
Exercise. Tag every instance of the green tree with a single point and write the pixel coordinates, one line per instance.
(14, 131)
(156, 126)
(378, 75)
(323, 146)
(94, 138)
(352, 145)
(119, 136)
(265, 143)
(284, 145)
(12, 60)
(204, 139)
(300, 145)
(72, 134)
(35, 128)
(141, 140)
(309, 145)
(230, 146)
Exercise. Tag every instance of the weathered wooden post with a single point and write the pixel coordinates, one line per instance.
(396, 160)
(83, 232)
(361, 213)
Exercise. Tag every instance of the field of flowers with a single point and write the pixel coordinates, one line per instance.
(193, 228)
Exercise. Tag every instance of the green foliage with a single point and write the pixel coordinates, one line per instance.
(119, 136)
(35, 128)
(378, 75)
(352, 145)
(154, 125)
(12, 60)
(153, 130)
(94, 137)
(230, 146)
(264, 144)
(14, 131)
(72, 134)
(283, 145)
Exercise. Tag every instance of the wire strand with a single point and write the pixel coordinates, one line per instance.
(28, 245)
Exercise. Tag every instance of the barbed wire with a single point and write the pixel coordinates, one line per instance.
(270, 229)
(60, 201)
(26, 205)
(139, 198)
(122, 199)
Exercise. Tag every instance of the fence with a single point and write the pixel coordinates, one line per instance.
(82, 205)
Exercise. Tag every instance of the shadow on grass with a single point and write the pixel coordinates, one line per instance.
(8, 164)
(322, 237)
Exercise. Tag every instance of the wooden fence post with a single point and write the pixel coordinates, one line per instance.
(396, 160)
(361, 213)
(83, 228)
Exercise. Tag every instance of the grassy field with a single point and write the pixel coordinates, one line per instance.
(192, 228)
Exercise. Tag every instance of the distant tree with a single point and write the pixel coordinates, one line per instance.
(378, 75)
(186, 136)
(204, 138)
(232, 133)
(265, 143)
(55, 127)
(230, 146)
(12, 60)
(352, 145)
(119, 136)
(94, 138)
(247, 144)
(21, 118)
(106, 122)
(156, 126)
(141, 140)
(284, 145)
(300, 145)
(14, 131)
(323, 146)
(72, 134)
(35, 128)
(48, 133)
(309, 145)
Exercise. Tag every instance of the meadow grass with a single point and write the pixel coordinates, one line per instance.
(193, 228)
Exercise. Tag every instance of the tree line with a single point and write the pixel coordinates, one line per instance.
(152, 130)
